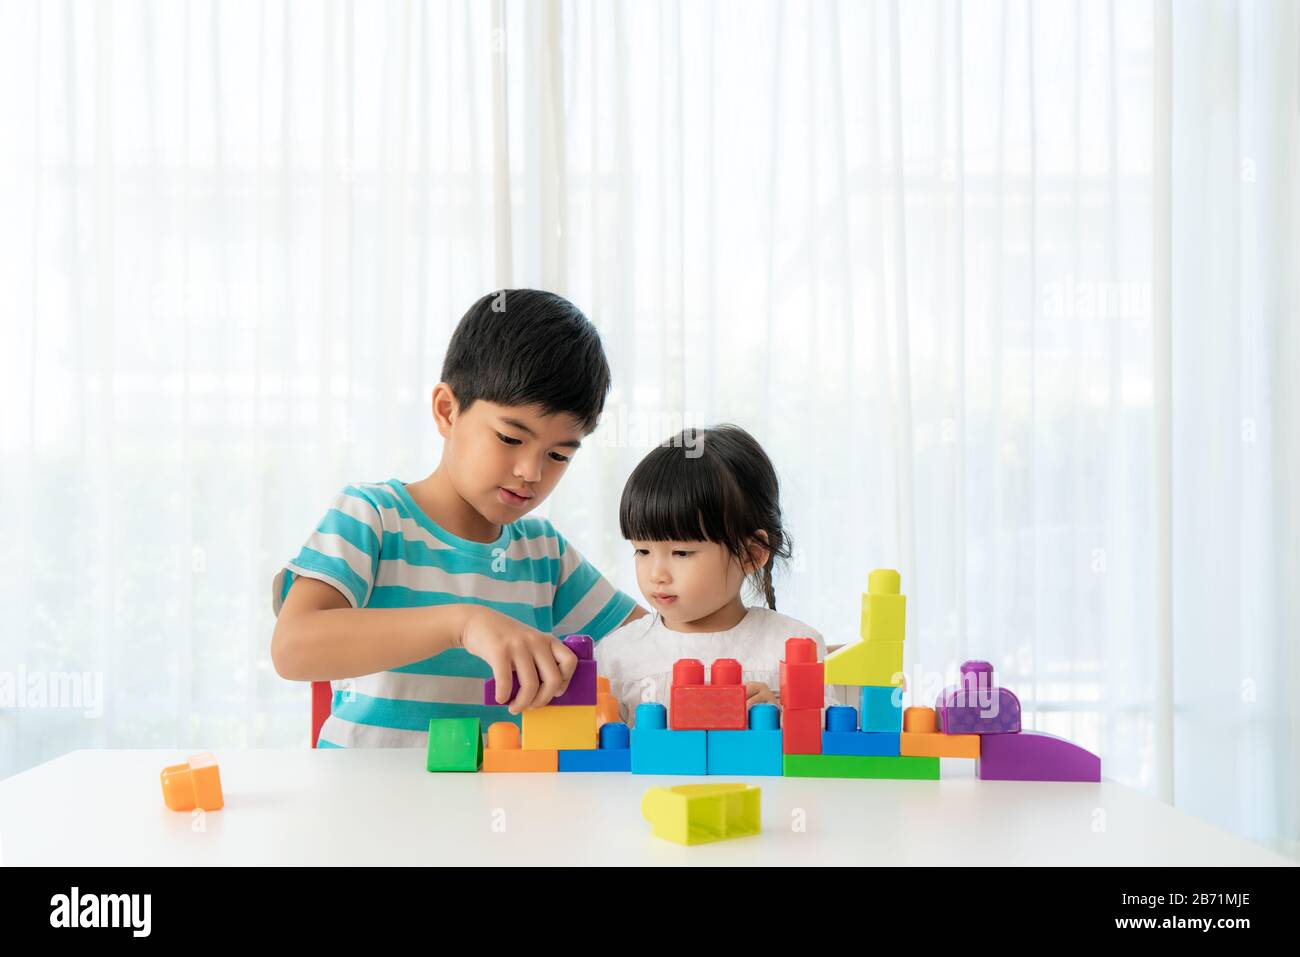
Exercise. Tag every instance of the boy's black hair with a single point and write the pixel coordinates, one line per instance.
(715, 485)
(529, 347)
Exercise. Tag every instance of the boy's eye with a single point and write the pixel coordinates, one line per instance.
(508, 440)
(558, 457)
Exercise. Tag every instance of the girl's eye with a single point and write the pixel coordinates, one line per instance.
(558, 457)
(508, 440)
(682, 553)
(640, 551)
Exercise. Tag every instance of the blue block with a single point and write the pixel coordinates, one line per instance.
(882, 709)
(870, 743)
(657, 750)
(615, 753)
(755, 751)
(613, 759)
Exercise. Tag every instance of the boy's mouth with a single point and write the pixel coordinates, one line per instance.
(512, 498)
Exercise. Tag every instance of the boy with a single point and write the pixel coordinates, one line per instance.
(417, 592)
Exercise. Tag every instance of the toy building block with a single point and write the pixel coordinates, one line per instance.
(860, 766)
(606, 704)
(803, 683)
(801, 731)
(717, 706)
(843, 737)
(755, 751)
(921, 738)
(876, 663)
(701, 813)
(882, 709)
(582, 684)
(977, 705)
(884, 610)
(560, 728)
(1035, 756)
(504, 754)
(455, 744)
(194, 784)
(614, 753)
(658, 750)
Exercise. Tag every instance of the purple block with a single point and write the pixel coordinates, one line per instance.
(1035, 756)
(977, 705)
(580, 645)
(581, 690)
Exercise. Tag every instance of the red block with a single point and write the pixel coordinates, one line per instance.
(803, 683)
(801, 731)
(717, 706)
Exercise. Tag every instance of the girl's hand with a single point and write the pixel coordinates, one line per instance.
(544, 665)
(758, 693)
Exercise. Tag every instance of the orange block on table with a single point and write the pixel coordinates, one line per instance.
(921, 739)
(504, 754)
(195, 784)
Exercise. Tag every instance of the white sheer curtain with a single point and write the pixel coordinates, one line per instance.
(909, 245)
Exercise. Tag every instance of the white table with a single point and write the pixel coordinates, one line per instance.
(381, 807)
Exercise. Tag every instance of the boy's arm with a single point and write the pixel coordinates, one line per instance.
(320, 637)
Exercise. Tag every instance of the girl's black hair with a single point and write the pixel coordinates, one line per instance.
(715, 485)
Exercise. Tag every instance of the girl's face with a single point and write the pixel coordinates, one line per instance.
(686, 581)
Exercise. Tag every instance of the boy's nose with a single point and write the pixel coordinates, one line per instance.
(529, 469)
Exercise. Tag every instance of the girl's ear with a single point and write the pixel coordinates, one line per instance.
(757, 551)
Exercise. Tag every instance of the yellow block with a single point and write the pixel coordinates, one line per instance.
(875, 663)
(884, 610)
(699, 813)
(560, 727)
(916, 744)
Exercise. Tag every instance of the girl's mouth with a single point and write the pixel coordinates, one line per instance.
(663, 599)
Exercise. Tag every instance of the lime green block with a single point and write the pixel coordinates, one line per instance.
(860, 766)
(455, 744)
(700, 813)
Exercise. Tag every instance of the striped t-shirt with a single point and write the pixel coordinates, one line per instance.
(380, 550)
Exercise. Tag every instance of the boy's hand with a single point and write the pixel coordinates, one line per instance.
(544, 665)
(758, 693)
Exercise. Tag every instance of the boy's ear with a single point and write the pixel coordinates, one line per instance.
(445, 408)
(758, 551)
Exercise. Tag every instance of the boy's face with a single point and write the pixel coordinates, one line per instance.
(685, 581)
(504, 459)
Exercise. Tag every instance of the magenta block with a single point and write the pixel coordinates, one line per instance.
(1034, 756)
(977, 705)
(581, 690)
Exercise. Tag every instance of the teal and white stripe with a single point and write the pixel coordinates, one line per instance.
(380, 550)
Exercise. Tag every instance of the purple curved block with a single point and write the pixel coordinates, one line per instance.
(977, 705)
(1035, 756)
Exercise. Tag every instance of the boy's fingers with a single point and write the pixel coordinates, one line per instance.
(526, 669)
(501, 674)
(553, 681)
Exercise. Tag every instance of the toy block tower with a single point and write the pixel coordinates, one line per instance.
(802, 696)
(877, 660)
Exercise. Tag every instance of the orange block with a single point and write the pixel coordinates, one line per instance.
(606, 703)
(920, 739)
(195, 784)
(504, 754)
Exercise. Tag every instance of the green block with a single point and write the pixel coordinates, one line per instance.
(455, 744)
(860, 766)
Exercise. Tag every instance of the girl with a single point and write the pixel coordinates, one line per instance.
(703, 514)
